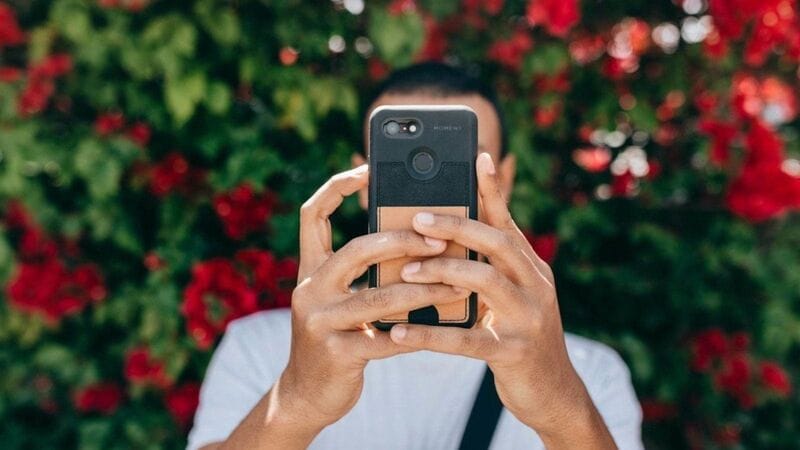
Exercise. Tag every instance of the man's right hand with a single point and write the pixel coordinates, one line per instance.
(332, 340)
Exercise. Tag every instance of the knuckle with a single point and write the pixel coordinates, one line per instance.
(308, 208)
(379, 298)
(314, 321)
(333, 345)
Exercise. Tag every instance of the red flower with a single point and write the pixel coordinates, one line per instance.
(624, 185)
(142, 368)
(775, 378)
(722, 135)
(35, 96)
(288, 56)
(104, 398)
(10, 74)
(139, 133)
(706, 347)
(52, 66)
(174, 174)
(10, 32)
(397, 7)
(763, 190)
(592, 159)
(557, 16)
(510, 52)
(216, 295)
(377, 69)
(109, 123)
(243, 211)
(547, 114)
(587, 48)
(734, 375)
(261, 266)
(182, 402)
(655, 410)
(48, 288)
(544, 245)
(435, 45)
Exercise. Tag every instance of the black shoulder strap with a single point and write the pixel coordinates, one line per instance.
(484, 416)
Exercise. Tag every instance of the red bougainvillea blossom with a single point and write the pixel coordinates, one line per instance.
(217, 294)
(763, 189)
(775, 26)
(244, 211)
(50, 289)
(103, 398)
(40, 84)
(545, 245)
(109, 123)
(592, 159)
(734, 370)
(556, 16)
(510, 52)
(222, 290)
(182, 402)
(774, 378)
(43, 283)
(722, 135)
(139, 133)
(174, 174)
(144, 369)
(10, 32)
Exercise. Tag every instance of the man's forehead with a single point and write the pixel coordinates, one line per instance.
(488, 122)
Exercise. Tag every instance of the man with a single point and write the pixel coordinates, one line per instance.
(292, 380)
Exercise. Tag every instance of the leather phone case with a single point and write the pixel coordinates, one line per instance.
(397, 194)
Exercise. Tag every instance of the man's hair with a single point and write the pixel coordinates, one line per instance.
(440, 80)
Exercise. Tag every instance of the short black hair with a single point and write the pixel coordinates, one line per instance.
(440, 79)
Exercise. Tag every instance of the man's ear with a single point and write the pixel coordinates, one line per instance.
(363, 194)
(506, 171)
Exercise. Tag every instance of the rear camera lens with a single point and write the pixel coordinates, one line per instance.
(422, 162)
(412, 127)
(391, 128)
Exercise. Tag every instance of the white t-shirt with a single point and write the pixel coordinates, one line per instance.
(410, 401)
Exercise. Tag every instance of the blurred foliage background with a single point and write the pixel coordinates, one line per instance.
(153, 155)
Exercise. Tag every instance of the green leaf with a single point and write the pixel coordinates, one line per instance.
(99, 168)
(218, 98)
(182, 95)
(397, 38)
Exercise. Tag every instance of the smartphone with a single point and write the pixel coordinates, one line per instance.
(422, 158)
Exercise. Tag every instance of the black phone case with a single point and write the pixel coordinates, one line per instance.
(451, 133)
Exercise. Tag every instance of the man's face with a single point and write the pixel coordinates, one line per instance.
(489, 134)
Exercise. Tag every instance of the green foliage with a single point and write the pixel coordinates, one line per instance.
(216, 83)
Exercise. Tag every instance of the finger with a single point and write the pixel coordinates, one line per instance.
(503, 250)
(494, 204)
(365, 345)
(315, 228)
(480, 343)
(496, 210)
(356, 256)
(492, 286)
(369, 305)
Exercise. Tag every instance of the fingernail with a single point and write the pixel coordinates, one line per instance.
(433, 242)
(489, 163)
(411, 268)
(424, 218)
(398, 332)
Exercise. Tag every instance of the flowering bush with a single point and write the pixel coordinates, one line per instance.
(153, 155)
